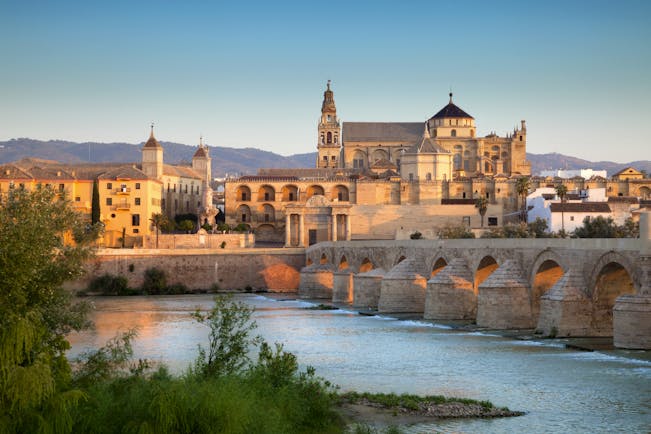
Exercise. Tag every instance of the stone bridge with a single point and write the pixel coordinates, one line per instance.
(560, 287)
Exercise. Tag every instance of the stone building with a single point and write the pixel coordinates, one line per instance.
(129, 193)
(382, 180)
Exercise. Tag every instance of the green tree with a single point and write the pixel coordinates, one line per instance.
(158, 221)
(186, 226)
(561, 192)
(538, 228)
(94, 206)
(522, 186)
(230, 338)
(482, 206)
(453, 232)
(42, 244)
(597, 227)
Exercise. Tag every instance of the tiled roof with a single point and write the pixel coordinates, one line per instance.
(405, 132)
(623, 199)
(382, 164)
(124, 172)
(201, 152)
(580, 207)
(451, 111)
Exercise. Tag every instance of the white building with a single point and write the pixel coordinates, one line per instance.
(567, 174)
(544, 203)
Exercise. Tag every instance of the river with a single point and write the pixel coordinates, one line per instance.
(561, 390)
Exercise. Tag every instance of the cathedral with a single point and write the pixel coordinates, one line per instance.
(367, 172)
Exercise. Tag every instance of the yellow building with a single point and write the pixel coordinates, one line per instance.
(129, 193)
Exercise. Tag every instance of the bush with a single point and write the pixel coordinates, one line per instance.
(416, 236)
(107, 284)
(155, 281)
(452, 232)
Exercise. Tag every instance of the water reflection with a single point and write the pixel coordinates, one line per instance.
(563, 390)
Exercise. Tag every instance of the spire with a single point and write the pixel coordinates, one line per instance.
(328, 100)
(152, 142)
(450, 97)
(328, 84)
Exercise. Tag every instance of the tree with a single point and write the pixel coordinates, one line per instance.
(158, 221)
(522, 187)
(94, 207)
(482, 205)
(561, 192)
(454, 232)
(43, 243)
(186, 226)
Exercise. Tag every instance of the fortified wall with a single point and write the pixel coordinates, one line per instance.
(271, 269)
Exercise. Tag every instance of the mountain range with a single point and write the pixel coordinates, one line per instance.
(238, 161)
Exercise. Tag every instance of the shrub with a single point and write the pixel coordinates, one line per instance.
(107, 284)
(416, 236)
(155, 281)
(452, 232)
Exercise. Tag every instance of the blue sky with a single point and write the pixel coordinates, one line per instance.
(253, 73)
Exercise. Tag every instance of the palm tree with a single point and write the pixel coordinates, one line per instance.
(482, 205)
(158, 221)
(522, 186)
(561, 192)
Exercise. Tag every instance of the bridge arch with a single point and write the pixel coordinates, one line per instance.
(343, 262)
(366, 265)
(438, 265)
(546, 272)
(486, 266)
(324, 259)
(399, 260)
(612, 276)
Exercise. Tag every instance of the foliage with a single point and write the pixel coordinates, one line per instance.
(410, 402)
(223, 227)
(230, 338)
(186, 226)
(158, 221)
(155, 281)
(522, 186)
(482, 206)
(206, 227)
(538, 228)
(416, 236)
(178, 218)
(509, 230)
(107, 284)
(242, 227)
(95, 207)
(453, 232)
(42, 244)
(600, 227)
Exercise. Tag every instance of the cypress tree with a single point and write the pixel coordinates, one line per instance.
(94, 210)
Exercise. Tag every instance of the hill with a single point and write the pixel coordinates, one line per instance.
(234, 161)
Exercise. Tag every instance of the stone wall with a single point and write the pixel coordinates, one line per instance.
(199, 241)
(272, 269)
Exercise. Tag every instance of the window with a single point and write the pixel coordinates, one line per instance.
(325, 158)
(135, 231)
(411, 176)
(340, 196)
(77, 199)
(464, 195)
(198, 204)
(291, 196)
(168, 187)
(243, 217)
(336, 139)
(329, 118)
(520, 138)
(243, 196)
(137, 201)
(187, 205)
(176, 204)
(488, 195)
(109, 201)
(465, 221)
(266, 194)
(138, 186)
(453, 133)
(186, 188)
(428, 177)
(109, 186)
(62, 188)
(333, 158)
(571, 218)
(174, 188)
(492, 221)
(135, 220)
(329, 137)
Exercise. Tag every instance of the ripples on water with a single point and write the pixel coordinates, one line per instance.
(562, 390)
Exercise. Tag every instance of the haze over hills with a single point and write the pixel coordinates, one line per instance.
(235, 161)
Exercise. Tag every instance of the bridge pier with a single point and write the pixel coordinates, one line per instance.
(366, 288)
(403, 289)
(316, 281)
(342, 286)
(565, 310)
(503, 300)
(632, 322)
(450, 294)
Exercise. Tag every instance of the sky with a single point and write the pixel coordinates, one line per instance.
(252, 74)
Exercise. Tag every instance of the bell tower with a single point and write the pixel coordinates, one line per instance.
(152, 157)
(329, 146)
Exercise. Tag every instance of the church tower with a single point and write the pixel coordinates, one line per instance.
(201, 162)
(329, 132)
(152, 157)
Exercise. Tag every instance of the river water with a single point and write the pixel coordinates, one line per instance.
(561, 390)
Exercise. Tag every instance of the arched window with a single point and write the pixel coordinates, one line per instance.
(329, 137)
(453, 133)
(428, 177)
(457, 161)
(358, 160)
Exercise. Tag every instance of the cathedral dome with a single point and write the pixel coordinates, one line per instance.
(451, 111)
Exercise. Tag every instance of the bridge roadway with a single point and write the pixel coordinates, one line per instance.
(560, 287)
